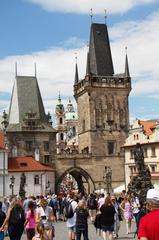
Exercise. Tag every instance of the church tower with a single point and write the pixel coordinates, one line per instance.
(102, 102)
(60, 125)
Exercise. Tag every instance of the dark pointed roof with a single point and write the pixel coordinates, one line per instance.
(99, 51)
(26, 97)
(127, 74)
(76, 75)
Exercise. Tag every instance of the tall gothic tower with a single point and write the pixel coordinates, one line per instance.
(102, 102)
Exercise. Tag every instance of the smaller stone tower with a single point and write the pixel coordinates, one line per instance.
(60, 125)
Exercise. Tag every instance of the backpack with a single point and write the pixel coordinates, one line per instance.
(69, 213)
(17, 216)
(92, 203)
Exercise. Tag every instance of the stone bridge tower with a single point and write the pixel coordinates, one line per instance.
(103, 115)
(102, 102)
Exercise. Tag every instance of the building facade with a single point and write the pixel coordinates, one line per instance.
(147, 134)
(29, 130)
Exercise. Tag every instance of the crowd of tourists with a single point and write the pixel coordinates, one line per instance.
(36, 216)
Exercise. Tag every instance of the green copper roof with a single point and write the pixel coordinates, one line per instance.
(71, 116)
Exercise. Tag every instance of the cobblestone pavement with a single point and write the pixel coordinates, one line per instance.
(61, 232)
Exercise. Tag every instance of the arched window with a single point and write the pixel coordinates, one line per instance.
(61, 122)
(36, 179)
(61, 136)
(74, 131)
(84, 126)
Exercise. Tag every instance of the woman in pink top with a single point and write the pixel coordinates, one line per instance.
(30, 223)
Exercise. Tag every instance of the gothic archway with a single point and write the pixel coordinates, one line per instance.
(84, 181)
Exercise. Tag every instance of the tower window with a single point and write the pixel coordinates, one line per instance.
(46, 159)
(153, 152)
(111, 148)
(36, 179)
(61, 136)
(84, 125)
(46, 146)
(61, 120)
(28, 145)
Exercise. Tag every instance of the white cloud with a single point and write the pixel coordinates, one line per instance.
(84, 6)
(143, 48)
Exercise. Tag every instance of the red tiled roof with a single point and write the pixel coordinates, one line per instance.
(148, 127)
(2, 144)
(27, 164)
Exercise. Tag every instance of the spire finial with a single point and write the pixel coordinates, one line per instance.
(16, 69)
(35, 69)
(126, 49)
(76, 57)
(59, 96)
(105, 15)
(91, 15)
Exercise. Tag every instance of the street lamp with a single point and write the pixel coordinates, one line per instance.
(12, 180)
(108, 178)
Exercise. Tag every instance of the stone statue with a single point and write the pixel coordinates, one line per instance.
(141, 182)
(22, 186)
(139, 157)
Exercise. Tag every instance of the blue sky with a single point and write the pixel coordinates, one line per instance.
(50, 32)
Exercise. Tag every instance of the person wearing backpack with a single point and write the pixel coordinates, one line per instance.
(71, 217)
(15, 217)
(81, 220)
(92, 206)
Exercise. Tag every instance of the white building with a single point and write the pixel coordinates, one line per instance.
(147, 134)
(40, 179)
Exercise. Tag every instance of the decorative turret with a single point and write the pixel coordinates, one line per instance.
(88, 72)
(127, 74)
(59, 106)
(76, 74)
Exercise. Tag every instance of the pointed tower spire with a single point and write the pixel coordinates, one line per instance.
(127, 74)
(16, 69)
(76, 72)
(35, 69)
(101, 63)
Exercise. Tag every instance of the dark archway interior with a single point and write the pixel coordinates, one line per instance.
(84, 181)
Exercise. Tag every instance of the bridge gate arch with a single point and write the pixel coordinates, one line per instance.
(84, 180)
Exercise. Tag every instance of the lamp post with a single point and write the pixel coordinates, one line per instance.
(12, 180)
(108, 178)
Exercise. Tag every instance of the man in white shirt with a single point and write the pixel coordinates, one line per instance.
(71, 222)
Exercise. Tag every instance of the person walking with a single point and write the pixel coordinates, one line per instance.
(128, 213)
(2, 218)
(116, 216)
(92, 206)
(46, 216)
(30, 223)
(148, 225)
(81, 220)
(15, 220)
(107, 219)
(71, 222)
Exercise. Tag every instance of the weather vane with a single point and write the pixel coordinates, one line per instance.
(105, 15)
(126, 49)
(76, 56)
(91, 15)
